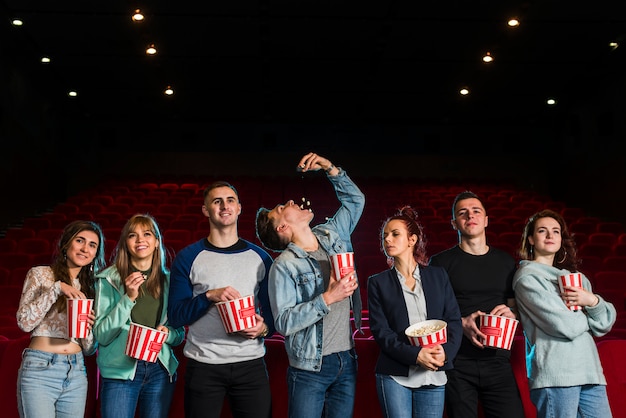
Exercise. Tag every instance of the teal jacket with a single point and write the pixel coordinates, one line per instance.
(113, 309)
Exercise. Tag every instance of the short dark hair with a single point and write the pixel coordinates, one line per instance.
(462, 196)
(266, 231)
(215, 185)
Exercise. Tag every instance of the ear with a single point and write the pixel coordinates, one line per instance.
(281, 228)
(453, 223)
(486, 220)
(412, 239)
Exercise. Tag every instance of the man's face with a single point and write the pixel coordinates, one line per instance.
(289, 214)
(221, 206)
(470, 217)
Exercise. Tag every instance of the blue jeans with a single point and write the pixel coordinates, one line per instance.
(151, 390)
(587, 401)
(397, 401)
(51, 385)
(328, 393)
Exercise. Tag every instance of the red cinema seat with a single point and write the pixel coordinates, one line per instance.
(611, 353)
(9, 366)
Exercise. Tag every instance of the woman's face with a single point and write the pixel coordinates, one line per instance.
(83, 249)
(141, 243)
(396, 240)
(547, 236)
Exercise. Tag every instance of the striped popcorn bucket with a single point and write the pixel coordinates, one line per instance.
(500, 331)
(342, 264)
(77, 317)
(427, 333)
(237, 314)
(144, 343)
(572, 279)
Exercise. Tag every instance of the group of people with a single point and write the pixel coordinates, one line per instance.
(298, 295)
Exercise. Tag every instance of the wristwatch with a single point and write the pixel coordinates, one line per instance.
(264, 333)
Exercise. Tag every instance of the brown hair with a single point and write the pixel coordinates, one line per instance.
(86, 275)
(566, 257)
(266, 232)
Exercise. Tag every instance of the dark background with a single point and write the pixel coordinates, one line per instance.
(372, 85)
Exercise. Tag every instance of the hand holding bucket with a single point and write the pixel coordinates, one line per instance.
(427, 333)
(574, 280)
(342, 264)
(500, 331)
(237, 314)
(78, 311)
(144, 343)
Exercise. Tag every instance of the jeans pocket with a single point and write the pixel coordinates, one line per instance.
(34, 363)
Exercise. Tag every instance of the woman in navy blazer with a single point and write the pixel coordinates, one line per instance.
(410, 380)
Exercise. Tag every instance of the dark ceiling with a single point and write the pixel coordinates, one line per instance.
(359, 61)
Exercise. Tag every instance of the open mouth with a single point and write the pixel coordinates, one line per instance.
(306, 204)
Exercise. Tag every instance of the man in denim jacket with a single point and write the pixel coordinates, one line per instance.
(311, 306)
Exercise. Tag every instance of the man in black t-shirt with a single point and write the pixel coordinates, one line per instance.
(481, 277)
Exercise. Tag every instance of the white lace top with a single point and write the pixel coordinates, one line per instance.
(36, 313)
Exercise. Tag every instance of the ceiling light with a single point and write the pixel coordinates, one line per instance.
(137, 16)
(614, 45)
(551, 102)
(72, 93)
(151, 50)
(513, 22)
(169, 91)
(464, 91)
(45, 60)
(17, 22)
(487, 57)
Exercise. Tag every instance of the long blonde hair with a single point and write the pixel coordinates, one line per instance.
(122, 259)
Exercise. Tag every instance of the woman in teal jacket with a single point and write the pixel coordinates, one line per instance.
(135, 289)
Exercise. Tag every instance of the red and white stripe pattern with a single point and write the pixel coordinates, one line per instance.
(237, 314)
(572, 279)
(343, 263)
(144, 343)
(500, 331)
(438, 337)
(77, 317)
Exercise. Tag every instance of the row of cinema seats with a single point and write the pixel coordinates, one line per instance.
(366, 404)
(176, 205)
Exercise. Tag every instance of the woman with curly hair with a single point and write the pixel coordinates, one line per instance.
(565, 375)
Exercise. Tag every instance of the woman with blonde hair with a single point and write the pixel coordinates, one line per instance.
(135, 289)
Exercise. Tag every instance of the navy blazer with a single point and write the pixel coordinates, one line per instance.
(388, 318)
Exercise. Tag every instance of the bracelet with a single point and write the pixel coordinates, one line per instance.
(264, 333)
(329, 168)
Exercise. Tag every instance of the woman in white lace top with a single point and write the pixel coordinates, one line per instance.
(52, 379)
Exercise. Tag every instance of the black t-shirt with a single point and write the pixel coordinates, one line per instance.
(480, 282)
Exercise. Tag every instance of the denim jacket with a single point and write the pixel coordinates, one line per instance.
(296, 283)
